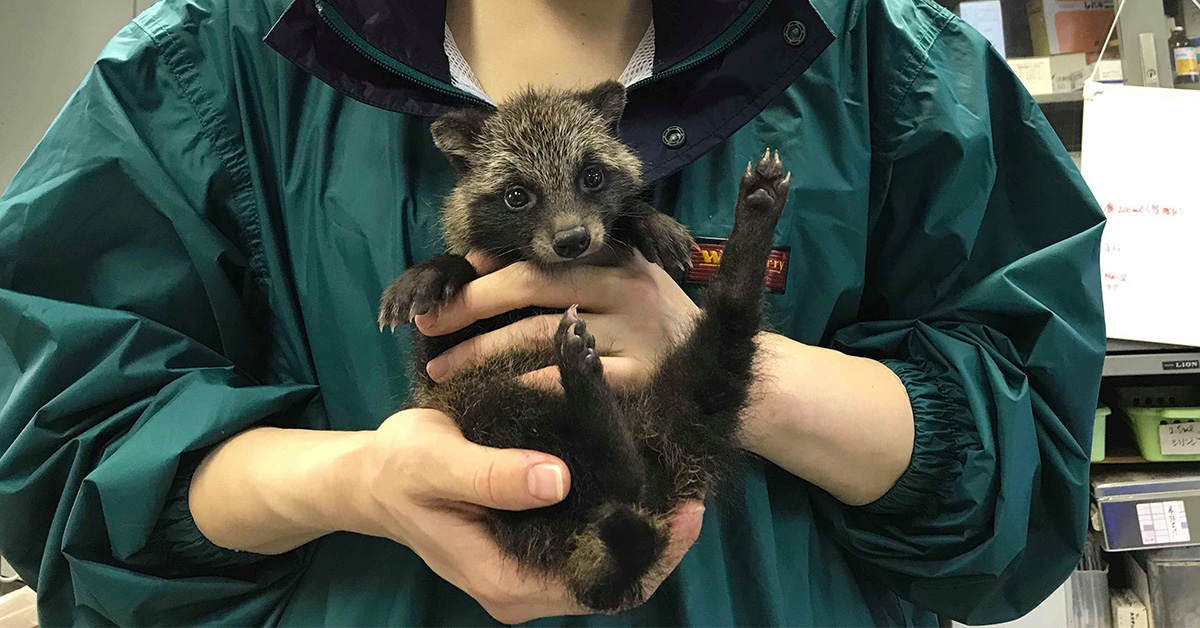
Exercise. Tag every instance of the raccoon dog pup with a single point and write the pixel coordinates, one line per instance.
(544, 179)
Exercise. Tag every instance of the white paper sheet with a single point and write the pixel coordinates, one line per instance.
(1139, 158)
(985, 17)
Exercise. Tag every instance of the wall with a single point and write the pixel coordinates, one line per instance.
(46, 48)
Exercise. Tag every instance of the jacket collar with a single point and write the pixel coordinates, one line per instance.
(717, 64)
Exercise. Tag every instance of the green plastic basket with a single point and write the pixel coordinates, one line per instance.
(1098, 433)
(1145, 423)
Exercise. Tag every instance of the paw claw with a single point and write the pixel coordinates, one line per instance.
(574, 346)
(765, 189)
(422, 288)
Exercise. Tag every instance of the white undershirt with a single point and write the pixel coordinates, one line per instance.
(640, 66)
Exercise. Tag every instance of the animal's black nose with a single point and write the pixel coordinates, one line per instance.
(571, 243)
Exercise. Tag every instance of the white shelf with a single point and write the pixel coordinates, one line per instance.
(1127, 359)
(1061, 97)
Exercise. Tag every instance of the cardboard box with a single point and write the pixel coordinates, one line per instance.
(1128, 610)
(1051, 75)
(1069, 26)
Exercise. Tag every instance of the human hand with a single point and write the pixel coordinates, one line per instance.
(426, 487)
(635, 311)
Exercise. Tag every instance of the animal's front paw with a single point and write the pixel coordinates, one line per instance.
(671, 244)
(764, 187)
(575, 346)
(421, 289)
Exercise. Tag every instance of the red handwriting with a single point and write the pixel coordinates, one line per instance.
(1114, 281)
(1152, 209)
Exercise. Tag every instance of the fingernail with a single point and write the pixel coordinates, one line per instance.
(437, 368)
(546, 482)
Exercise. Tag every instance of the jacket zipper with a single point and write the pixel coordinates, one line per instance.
(738, 28)
(335, 22)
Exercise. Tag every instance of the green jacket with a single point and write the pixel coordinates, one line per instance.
(199, 243)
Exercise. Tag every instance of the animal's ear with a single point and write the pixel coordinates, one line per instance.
(609, 99)
(457, 135)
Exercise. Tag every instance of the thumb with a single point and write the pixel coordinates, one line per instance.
(483, 263)
(505, 479)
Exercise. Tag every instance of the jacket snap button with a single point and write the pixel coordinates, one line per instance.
(795, 32)
(674, 137)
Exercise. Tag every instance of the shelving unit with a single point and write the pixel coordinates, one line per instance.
(1064, 97)
(1126, 358)
(1130, 493)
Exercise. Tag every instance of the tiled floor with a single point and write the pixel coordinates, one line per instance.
(9, 588)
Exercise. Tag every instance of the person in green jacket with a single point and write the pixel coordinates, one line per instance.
(198, 412)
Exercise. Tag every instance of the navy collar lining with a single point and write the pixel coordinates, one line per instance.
(412, 32)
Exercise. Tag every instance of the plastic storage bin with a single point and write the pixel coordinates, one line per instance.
(1145, 423)
(1098, 433)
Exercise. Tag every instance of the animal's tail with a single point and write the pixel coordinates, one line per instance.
(613, 555)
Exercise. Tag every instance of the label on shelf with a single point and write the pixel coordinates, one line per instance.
(1163, 522)
(1179, 439)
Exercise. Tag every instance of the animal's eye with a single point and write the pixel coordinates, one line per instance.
(516, 197)
(592, 178)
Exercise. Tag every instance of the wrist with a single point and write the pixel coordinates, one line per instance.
(774, 404)
(270, 490)
(841, 422)
(336, 499)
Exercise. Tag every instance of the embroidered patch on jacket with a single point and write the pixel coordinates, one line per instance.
(706, 258)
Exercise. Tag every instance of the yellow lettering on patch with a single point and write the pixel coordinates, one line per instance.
(711, 257)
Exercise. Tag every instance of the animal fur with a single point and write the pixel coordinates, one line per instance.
(633, 455)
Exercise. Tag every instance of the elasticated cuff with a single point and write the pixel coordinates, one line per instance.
(176, 533)
(943, 428)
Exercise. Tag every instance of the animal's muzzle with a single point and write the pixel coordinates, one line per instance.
(571, 243)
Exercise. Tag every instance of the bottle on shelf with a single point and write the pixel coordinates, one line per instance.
(1183, 53)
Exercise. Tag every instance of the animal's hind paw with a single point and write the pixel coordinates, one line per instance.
(575, 346)
(764, 187)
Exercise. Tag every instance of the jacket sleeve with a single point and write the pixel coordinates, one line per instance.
(982, 294)
(131, 339)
